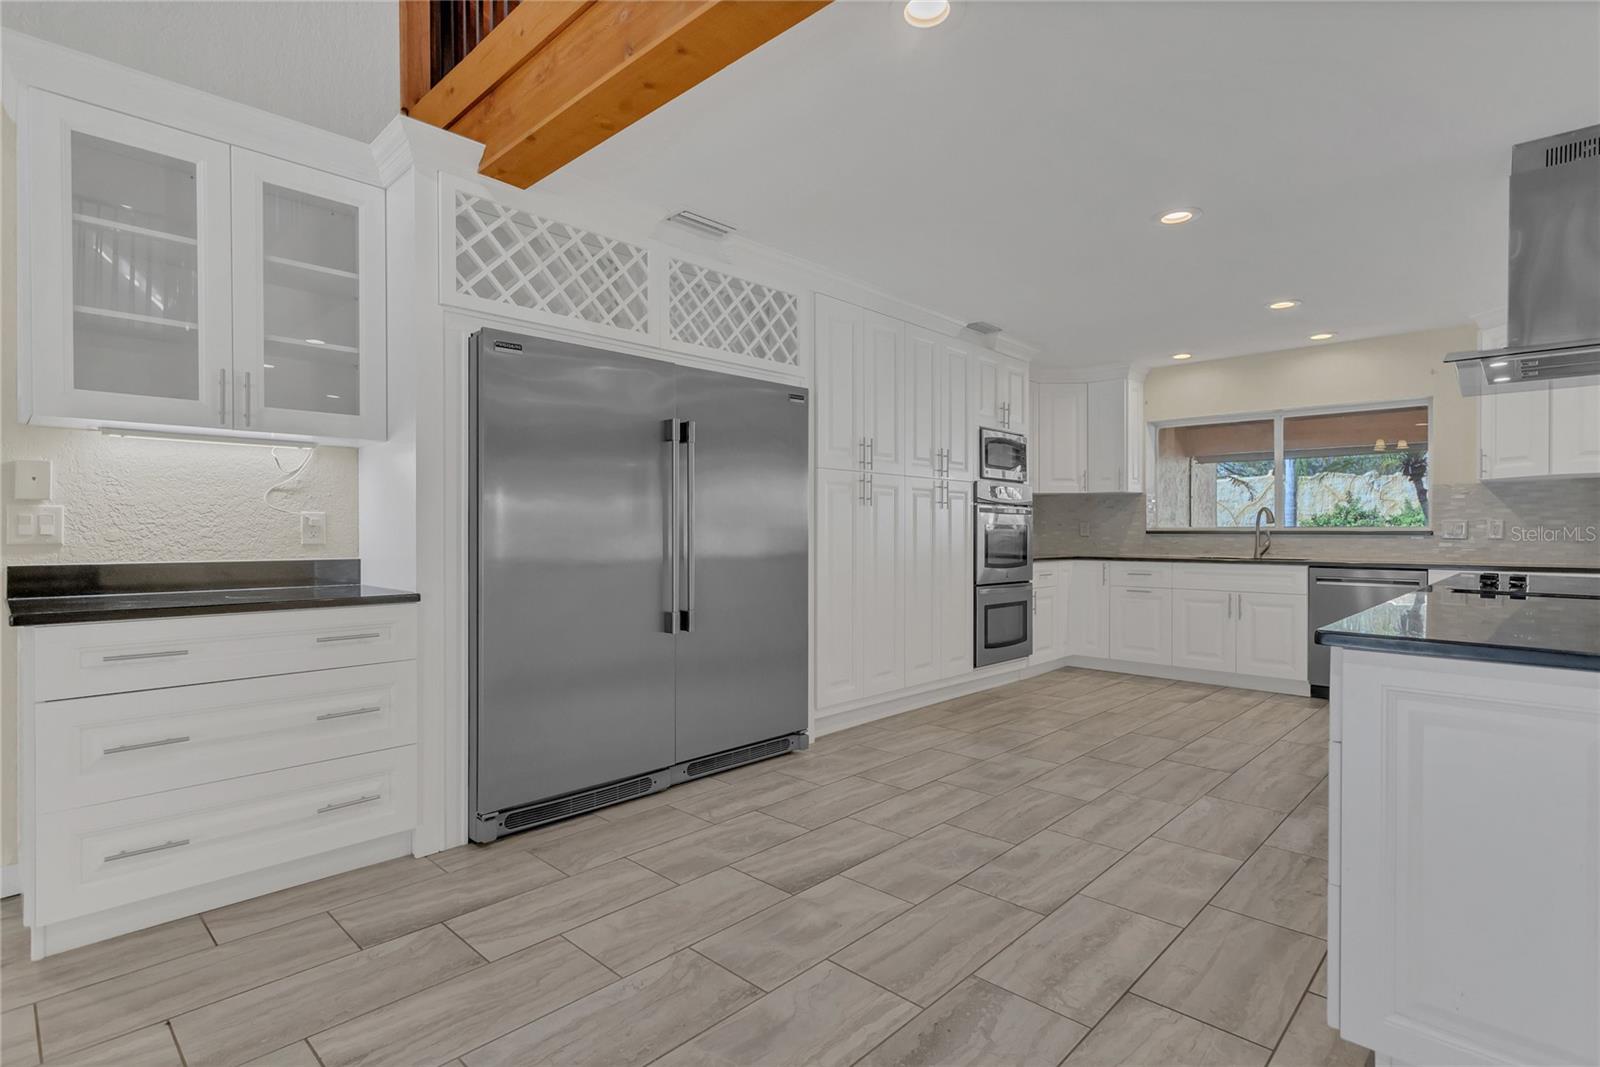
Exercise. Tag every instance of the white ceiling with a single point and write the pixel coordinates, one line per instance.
(1007, 165)
(328, 63)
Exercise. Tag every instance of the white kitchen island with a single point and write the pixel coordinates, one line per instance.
(1464, 830)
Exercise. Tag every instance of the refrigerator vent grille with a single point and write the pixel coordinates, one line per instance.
(551, 810)
(724, 760)
(720, 311)
(506, 256)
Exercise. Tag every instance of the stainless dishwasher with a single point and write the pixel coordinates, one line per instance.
(1340, 592)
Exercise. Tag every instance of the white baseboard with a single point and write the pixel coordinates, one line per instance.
(10, 880)
(827, 722)
(1288, 686)
(72, 933)
(831, 721)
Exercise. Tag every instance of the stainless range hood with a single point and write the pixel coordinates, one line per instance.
(1553, 304)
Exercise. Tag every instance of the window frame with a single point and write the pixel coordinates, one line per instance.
(1277, 416)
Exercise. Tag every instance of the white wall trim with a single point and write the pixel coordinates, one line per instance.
(31, 62)
(861, 712)
(1287, 686)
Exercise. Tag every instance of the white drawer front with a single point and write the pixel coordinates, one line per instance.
(1046, 575)
(1240, 577)
(96, 749)
(121, 657)
(99, 857)
(1140, 573)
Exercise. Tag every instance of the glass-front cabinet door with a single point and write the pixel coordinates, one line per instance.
(127, 285)
(308, 267)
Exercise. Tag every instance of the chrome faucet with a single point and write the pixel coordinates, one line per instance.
(1263, 534)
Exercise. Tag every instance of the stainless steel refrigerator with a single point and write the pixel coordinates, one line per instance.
(638, 591)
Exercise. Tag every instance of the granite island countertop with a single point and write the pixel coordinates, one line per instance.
(54, 594)
(1538, 631)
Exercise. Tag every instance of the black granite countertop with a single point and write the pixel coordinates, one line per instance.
(44, 595)
(1438, 565)
(1536, 631)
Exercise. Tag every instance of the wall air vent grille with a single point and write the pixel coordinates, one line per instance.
(1572, 151)
(723, 760)
(551, 810)
(512, 257)
(727, 313)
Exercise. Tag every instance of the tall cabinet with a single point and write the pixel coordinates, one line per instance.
(175, 281)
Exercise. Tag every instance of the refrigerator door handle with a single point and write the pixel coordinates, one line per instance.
(672, 430)
(687, 614)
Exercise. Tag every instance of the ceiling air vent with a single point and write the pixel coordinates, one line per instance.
(707, 227)
(1572, 151)
(983, 327)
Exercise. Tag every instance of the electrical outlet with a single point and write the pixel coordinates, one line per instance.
(1497, 529)
(313, 528)
(1454, 531)
(31, 479)
(40, 525)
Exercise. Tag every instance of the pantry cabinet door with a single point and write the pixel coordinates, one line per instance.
(840, 439)
(953, 579)
(923, 517)
(1271, 635)
(924, 371)
(1575, 429)
(957, 411)
(127, 291)
(1140, 624)
(309, 344)
(882, 394)
(880, 585)
(840, 501)
(1202, 629)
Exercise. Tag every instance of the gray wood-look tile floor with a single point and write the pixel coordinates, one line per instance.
(1081, 868)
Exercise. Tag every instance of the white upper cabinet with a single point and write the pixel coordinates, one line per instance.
(1116, 437)
(1575, 429)
(1060, 438)
(1000, 391)
(1549, 430)
(127, 269)
(860, 379)
(308, 270)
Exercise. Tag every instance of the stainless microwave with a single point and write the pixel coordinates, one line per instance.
(1002, 456)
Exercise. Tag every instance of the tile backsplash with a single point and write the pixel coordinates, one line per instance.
(1546, 522)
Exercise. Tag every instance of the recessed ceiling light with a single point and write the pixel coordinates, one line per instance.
(1178, 216)
(1500, 363)
(1321, 337)
(1283, 305)
(926, 14)
(1183, 355)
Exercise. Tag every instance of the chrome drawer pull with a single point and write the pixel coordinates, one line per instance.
(128, 854)
(347, 637)
(337, 804)
(122, 657)
(136, 746)
(1142, 574)
(346, 714)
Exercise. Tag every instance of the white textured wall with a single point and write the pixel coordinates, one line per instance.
(137, 500)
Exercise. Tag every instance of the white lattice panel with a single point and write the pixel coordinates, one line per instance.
(716, 310)
(514, 257)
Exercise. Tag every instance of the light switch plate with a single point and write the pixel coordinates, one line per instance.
(1454, 531)
(31, 479)
(40, 525)
(313, 528)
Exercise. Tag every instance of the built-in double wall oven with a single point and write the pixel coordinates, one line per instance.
(1002, 571)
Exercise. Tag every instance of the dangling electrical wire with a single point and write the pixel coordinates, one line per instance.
(289, 476)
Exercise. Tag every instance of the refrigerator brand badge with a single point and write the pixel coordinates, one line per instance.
(797, 398)
(508, 346)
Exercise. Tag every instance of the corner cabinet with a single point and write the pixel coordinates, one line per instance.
(160, 267)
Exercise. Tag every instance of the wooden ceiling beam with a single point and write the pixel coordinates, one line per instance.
(568, 78)
(530, 26)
